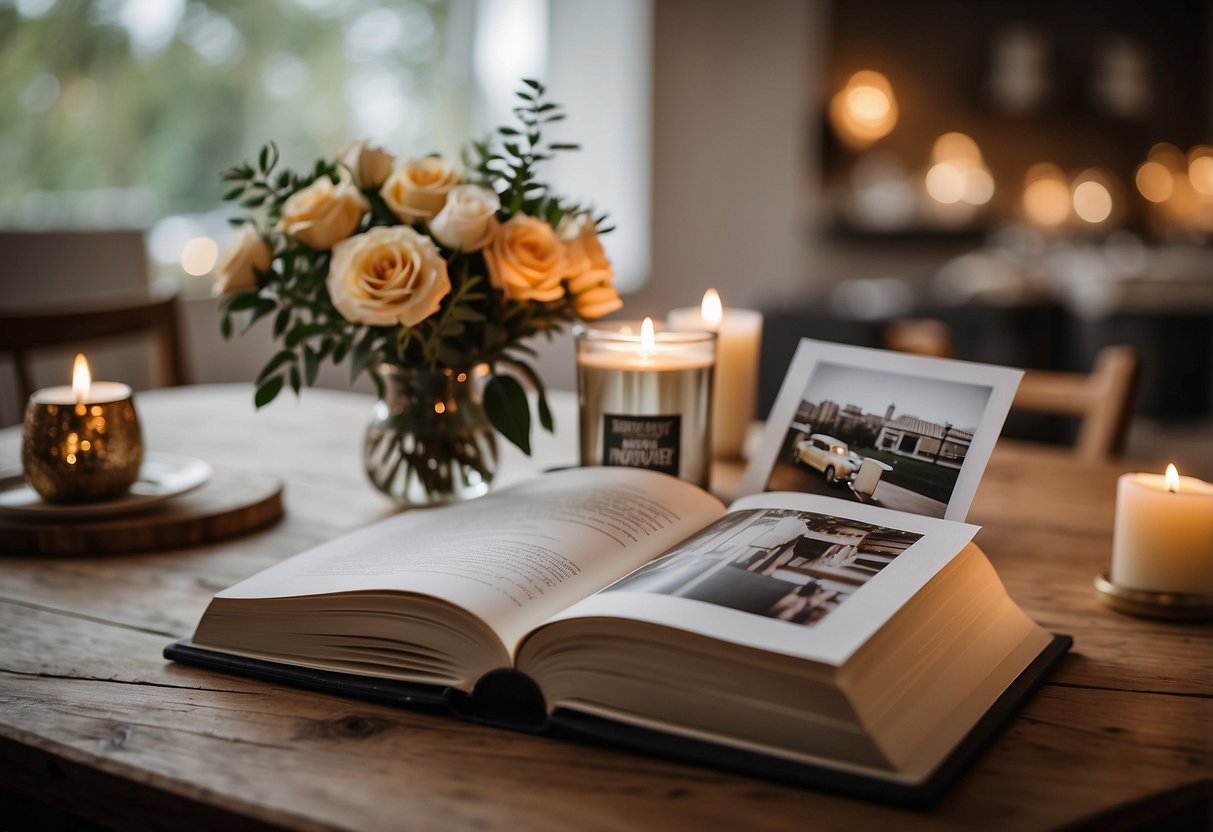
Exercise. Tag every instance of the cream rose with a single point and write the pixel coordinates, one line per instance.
(526, 260)
(590, 274)
(417, 190)
(242, 259)
(468, 221)
(369, 166)
(323, 214)
(389, 275)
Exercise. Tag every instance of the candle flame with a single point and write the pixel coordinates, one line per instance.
(1172, 478)
(82, 380)
(648, 340)
(711, 310)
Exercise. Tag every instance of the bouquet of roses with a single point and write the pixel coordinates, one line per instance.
(419, 265)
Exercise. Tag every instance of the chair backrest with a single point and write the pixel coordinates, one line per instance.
(1102, 400)
(23, 331)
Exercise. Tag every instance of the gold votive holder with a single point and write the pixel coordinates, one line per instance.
(81, 452)
(1177, 606)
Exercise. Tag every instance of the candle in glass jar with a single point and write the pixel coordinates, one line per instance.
(81, 443)
(1164, 533)
(739, 338)
(645, 398)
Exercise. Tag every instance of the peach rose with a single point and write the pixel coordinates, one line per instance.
(389, 275)
(248, 254)
(468, 221)
(590, 275)
(323, 214)
(369, 166)
(526, 260)
(417, 190)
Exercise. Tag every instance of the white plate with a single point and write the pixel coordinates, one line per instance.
(161, 477)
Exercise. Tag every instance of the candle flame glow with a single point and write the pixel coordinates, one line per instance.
(648, 340)
(1172, 479)
(711, 310)
(82, 380)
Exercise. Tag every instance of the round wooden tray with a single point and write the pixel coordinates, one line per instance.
(231, 504)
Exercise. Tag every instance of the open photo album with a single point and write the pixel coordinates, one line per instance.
(818, 635)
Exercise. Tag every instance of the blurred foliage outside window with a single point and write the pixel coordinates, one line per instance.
(121, 113)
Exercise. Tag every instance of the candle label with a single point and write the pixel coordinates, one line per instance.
(642, 441)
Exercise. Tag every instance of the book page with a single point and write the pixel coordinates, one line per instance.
(797, 574)
(511, 559)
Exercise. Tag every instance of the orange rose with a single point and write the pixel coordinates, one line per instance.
(526, 260)
(417, 189)
(323, 213)
(590, 275)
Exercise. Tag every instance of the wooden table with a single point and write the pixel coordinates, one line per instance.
(93, 721)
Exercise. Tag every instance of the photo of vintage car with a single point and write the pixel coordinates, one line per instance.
(828, 455)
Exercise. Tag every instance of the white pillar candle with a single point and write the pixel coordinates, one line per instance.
(739, 338)
(1164, 533)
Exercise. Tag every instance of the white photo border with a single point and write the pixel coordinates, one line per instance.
(1002, 381)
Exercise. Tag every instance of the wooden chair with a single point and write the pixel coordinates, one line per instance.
(1102, 400)
(26, 330)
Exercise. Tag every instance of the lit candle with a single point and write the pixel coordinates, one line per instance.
(739, 338)
(81, 442)
(1164, 533)
(646, 398)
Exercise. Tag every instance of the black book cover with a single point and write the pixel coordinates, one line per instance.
(509, 699)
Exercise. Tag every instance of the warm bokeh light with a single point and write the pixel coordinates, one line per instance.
(1172, 478)
(199, 255)
(865, 110)
(946, 183)
(956, 147)
(1154, 181)
(648, 340)
(82, 379)
(978, 186)
(1200, 170)
(1046, 196)
(1092, 200)
(1168, 154)
(711, 310)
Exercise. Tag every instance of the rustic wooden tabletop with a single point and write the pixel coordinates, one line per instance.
(94, 722)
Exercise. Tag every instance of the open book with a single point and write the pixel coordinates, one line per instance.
(791, 635)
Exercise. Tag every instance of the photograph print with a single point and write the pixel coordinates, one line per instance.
(794, 566)
(904, 432)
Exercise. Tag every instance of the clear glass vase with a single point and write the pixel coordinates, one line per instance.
(429, 440)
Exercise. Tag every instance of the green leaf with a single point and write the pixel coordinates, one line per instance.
(296, 382)
(533, 84)
(507, 408)
(225, 326)
(362, 354)
(564, 146)
(267, 391)
(281, 321)
(311, 365)
(507, 131)
(545, 412)
(280, 358)
(233, 193)
(246, 300)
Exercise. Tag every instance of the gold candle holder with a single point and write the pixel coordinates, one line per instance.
(81, 445)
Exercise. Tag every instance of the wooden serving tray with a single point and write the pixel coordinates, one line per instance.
(232, 503)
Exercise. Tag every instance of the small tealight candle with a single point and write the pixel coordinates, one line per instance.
(645, 398)
(739, 338)
(1164, 534)
(81, 443)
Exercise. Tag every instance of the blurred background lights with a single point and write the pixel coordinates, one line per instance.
(1092, 198)
(1154, 181)
(865, 110)
(199, 255)
(956, 147)
(1200, 170)
(959, 173)
(1046, 196)
(946, 183)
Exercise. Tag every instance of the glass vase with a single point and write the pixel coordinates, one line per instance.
(429, 440)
